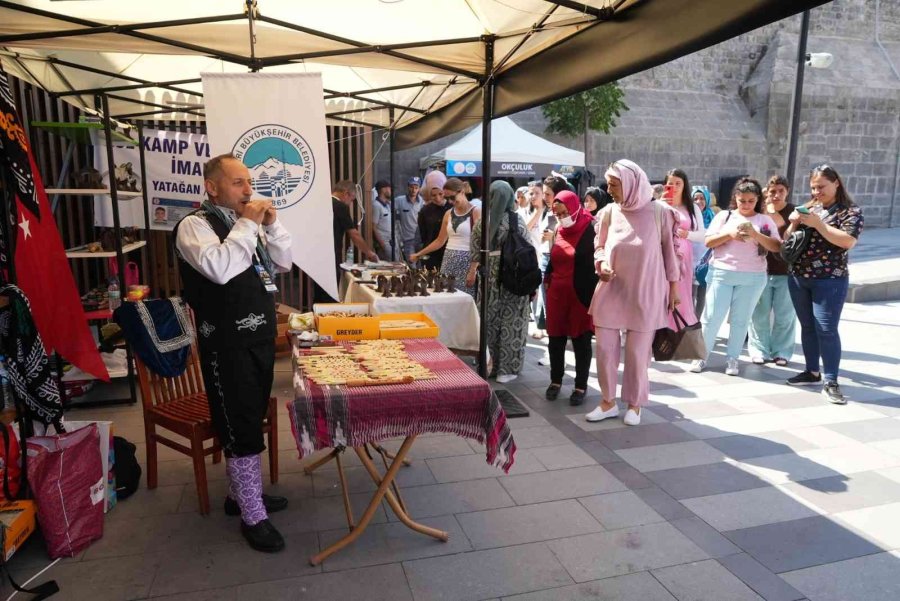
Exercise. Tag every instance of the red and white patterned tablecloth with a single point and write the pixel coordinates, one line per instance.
(458, 402)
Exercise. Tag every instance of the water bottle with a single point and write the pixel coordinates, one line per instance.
(350, 255)
(115, 294)
(9, 401)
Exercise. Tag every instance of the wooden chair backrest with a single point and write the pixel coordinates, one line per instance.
(158, 390)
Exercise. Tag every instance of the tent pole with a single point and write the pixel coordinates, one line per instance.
(391, 141)
(486, 116)
(251, 16)
(791, 161)
(151, 267)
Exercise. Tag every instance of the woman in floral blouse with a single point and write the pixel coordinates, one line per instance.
(819, 279)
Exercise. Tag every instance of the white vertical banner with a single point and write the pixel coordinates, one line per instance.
(275, 124)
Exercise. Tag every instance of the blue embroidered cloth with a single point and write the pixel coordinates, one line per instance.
(159, 331)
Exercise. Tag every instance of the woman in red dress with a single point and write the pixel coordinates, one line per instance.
(570, 280)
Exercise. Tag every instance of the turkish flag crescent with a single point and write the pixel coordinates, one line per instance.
(42, 269)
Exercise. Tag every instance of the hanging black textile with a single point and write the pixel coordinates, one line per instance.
(29, 370)
(159, 331)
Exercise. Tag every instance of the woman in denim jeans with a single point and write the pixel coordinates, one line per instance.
(737, 271)
(819, 279)
(772, 325)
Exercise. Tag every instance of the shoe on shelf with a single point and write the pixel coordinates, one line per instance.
(271, 502)
(832, 393)
(759, 360)
(577, 398)
(731, 367)
(781, 361)
(806, 378)
(505, 378)
(632, 417)
(263, 536)
(552, 392)
(698, 365)
(545, 358)
(598, 414)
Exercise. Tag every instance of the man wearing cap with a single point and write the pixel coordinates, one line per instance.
(408, 208)
(381, 223)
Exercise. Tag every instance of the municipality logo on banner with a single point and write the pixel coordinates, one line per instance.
(274, 123)
(281, 163)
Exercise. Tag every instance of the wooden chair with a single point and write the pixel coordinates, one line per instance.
(179, 405)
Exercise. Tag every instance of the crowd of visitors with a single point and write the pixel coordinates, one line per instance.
(619, 263)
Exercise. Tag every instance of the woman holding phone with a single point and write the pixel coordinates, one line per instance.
(740, 239)
(689, 229)
(819, 278)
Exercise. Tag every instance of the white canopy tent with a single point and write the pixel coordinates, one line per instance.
(514, 153)
(417, 66)
(422, 68)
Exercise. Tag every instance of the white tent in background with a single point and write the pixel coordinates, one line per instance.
(514, 153)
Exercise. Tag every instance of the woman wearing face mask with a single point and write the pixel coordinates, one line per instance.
(690, 229)
(507, 313)
(773, 323)
(819, 279)
(639, 274)
(455, 235)
(740, 239)
(570, 280)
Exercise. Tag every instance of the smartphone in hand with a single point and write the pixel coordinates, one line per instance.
(803, 210)
(668, 192)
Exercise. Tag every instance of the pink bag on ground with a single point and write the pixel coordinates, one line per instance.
(66, 476)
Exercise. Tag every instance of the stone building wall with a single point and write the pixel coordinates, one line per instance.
(725, 111)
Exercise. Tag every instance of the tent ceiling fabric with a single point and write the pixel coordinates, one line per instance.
(431, 55)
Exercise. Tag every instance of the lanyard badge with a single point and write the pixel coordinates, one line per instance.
(266, 278)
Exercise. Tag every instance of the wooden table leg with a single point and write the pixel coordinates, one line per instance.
(385, 453)
(380, 493)
(309, 469)
(344, 492)
(382, 452)
(398, 509)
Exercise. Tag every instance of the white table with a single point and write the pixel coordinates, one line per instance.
(454, 313)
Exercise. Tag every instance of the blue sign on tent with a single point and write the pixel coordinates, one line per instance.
(463, 168)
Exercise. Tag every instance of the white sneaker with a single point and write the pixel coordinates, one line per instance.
(507, 378)
(598, 414)
(545, 358)
(758, 360)
(731, 367)
(698, 365)
(632, 417)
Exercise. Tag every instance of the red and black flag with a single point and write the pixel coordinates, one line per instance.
(42, 269)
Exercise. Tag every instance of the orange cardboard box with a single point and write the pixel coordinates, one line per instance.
(362, 326)
(18, 521)
(430, 331)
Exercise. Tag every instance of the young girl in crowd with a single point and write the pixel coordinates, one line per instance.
(740, 239)
(772, 324)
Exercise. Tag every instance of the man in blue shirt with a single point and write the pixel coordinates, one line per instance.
(408, 208)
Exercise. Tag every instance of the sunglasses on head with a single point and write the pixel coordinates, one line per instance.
(748, 187)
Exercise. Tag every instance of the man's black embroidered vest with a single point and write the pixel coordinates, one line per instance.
(236, 314)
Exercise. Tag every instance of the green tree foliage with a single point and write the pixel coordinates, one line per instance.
(597, 108)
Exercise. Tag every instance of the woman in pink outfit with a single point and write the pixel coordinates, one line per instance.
(689, 229)
(639, 275)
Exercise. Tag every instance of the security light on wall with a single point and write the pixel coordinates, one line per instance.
(819, 60)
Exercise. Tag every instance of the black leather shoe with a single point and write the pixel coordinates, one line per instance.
(272, 504)
(552, 392)
(577, 398)
(263, 537)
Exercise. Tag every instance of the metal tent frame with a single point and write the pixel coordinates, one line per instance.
(633, 34)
